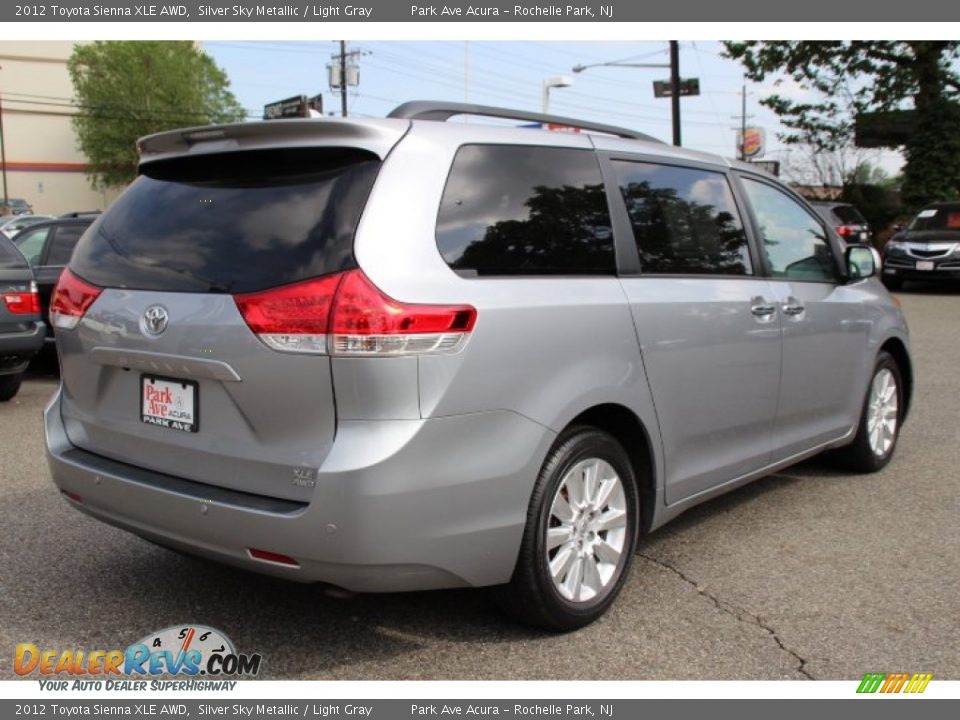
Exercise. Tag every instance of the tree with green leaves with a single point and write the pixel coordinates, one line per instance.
(862, 76)
(127, 89)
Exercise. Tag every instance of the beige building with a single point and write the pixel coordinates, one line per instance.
(43, 164)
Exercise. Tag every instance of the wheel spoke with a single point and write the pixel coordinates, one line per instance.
(606, 552)
(574, 485)
(560, 564)
(603, 493)
(574, 580)
(557, 536)
(592, 581)
(590, 474)
(561, 509)
(610, 520)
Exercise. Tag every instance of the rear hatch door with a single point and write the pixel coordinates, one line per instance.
(163, 371)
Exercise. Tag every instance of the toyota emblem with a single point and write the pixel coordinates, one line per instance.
(154, 320)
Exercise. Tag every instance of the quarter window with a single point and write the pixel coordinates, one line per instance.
(684, 220)
(519, 210)
(794, 241)
(31, 244)
(64, 240)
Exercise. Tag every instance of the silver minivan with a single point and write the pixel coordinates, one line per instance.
(406, 354)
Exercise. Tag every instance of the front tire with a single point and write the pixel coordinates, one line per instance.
(880, 419)
(580, 537)
(9, 386)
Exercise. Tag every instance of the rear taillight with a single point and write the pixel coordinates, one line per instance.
(71, 300)
(23, 303)
(346, 314)
(845, 231)
(292, 318)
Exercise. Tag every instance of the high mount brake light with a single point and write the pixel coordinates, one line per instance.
(346, 314)
(71, 300)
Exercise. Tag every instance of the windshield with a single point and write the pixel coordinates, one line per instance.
(945, 217)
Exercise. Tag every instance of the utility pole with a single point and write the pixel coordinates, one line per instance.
(343, 78)
(3, 156)
(675, 89)
(742, 117)
(743, 123)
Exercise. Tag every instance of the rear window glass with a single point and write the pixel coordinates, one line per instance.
(232, 223)
(10, 257)
(520, 210)
(849, 215)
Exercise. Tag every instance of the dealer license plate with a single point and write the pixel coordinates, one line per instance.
(168, 403)
(924, 264)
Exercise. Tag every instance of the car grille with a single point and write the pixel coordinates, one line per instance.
(928, 253)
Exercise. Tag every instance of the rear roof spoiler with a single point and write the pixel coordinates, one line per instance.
(377, 136)
(443, 111)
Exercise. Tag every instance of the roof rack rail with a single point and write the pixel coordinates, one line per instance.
(441, 111)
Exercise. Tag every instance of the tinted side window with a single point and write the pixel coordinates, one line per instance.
(794, 240)
(517, 210)
(64, 240)
(684, 220)
(30, 243)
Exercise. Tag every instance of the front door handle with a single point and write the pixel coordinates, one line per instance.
(793, 307)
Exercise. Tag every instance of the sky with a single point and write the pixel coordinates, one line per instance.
(511, 74)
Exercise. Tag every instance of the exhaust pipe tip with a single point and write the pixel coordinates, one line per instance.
(338, 593)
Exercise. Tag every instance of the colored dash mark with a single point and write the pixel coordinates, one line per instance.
(186, 645)
(894, 682)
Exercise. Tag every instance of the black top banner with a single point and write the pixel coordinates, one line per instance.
(456, 11)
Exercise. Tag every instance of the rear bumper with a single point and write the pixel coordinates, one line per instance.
(16, 349)
(398, 505)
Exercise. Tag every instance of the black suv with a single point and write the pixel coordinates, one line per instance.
(927, 249)
(845, 219)
(21, 331)
(48, 247)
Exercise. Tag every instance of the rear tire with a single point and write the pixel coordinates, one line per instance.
(580, 537)
(892, 283)
(880, 420)
(10, 386)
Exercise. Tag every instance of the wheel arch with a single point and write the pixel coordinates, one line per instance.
(901, 356)
(624, 425)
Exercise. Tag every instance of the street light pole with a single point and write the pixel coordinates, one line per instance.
(675, 89)
(560, 81)
(343, 78)
(3, 156)
(673, 66)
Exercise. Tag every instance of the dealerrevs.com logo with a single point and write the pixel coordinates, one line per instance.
(179, 650)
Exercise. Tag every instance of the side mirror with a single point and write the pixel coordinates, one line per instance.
(863, 261)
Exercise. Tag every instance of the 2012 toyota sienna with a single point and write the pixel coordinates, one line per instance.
(405, 354)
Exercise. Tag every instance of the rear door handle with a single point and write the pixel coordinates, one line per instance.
(793, 307)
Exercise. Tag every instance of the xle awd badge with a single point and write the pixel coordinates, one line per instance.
(304, 477)
(154, 320)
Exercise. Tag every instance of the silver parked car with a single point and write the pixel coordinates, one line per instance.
(405, 354)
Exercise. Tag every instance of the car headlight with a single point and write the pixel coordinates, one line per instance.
(895, 248)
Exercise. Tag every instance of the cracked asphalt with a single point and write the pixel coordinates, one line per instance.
(812, 573)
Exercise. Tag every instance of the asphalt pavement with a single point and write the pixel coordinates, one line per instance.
(810, 573)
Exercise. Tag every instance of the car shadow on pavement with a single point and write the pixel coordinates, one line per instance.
(945, 288)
